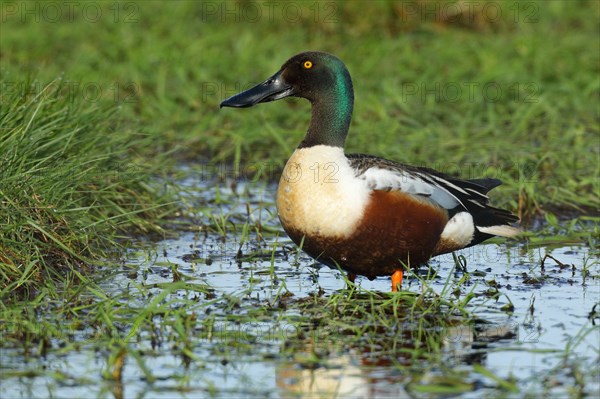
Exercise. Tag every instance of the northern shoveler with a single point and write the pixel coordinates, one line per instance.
(367, 215)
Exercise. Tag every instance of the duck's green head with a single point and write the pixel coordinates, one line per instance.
(319, 77)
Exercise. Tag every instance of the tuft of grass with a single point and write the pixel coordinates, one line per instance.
(70, 188)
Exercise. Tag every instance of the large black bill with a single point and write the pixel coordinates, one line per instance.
(271, 89)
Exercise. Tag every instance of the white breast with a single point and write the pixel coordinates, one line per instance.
(319, 193)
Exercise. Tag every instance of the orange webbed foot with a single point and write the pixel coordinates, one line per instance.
(396, 280)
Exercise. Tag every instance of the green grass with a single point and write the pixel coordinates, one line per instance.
(97, 115)
(71, 191)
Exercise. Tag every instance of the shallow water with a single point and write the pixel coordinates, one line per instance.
(239, 355)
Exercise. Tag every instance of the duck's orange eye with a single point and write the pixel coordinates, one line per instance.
(307, 64)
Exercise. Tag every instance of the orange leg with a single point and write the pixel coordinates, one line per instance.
(396, 280)
(351, 277)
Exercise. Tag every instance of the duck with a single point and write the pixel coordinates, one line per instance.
(367, 215)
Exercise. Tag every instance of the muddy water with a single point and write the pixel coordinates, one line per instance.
(537, 345)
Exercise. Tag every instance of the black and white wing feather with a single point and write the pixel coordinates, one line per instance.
(453, 194)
